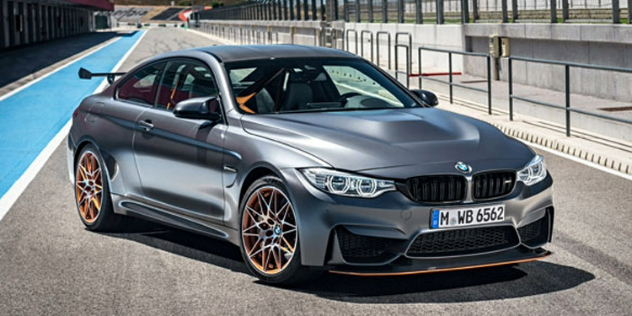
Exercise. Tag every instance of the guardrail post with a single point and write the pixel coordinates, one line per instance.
(475, 10)
(419, 18)
(306, 10)
(505, 17)
(514, 11)
(616, 12)
(298, 10)
(315, 15)
(345, 10)
(439, 10)
(291, 9)
(285, 9)
(465, 11)
(489, 85)
(510, 81)
(385, 12)
(450, 75)
(357, 11)
(629, 11)
(420, 72)
(565, 14)
(336, 14)
(370, 4)
(568, 99)
(553, 11)
(400, 11)
(322, 10)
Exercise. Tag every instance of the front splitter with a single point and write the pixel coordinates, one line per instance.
(420, 266)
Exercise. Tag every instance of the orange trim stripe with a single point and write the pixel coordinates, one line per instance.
(379, 274)
(242, 103)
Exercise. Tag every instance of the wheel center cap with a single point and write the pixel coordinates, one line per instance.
(277, 230)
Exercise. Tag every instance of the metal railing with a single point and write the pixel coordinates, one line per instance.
(362, 42)
(450, 81)
(427, 11)
(567, 90)
(388, 45)
(408, 48)
(403, 41)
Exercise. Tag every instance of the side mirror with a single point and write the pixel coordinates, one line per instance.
(427, 97)
(199, 109)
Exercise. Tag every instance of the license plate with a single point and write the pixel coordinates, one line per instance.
(467, 216)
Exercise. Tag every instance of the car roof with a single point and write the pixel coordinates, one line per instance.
(231, 53)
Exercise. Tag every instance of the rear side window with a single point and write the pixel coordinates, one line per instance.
(141, 86)
(182, 80)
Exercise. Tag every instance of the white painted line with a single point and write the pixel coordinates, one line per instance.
(579, 160)
(20, 185)
(12, 195)
(34, 81)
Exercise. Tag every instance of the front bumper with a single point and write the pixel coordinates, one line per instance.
(383, 229)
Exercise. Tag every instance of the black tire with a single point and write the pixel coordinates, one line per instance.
(293, 272)
(105, 220)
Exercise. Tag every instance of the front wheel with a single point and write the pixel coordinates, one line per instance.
(269, 234)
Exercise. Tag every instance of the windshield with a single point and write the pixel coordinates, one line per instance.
(310, 85)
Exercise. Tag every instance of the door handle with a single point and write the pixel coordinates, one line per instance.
(146, 124)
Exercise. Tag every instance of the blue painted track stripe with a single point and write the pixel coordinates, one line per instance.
(31, 118)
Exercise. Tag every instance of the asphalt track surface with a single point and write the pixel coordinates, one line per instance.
(49, 264)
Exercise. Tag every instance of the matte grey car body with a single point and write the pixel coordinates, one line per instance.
(193, 174)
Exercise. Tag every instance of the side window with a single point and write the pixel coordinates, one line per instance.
(184, 80)
(142, 85)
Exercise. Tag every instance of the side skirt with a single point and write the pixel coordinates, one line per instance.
(129, 207)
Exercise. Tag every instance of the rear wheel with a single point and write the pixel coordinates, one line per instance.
(269, 234)
(92, 192)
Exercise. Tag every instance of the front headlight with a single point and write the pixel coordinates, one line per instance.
(534, 172)
(345, 184)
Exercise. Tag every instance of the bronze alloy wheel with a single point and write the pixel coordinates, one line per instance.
(269, 230)
(89, 187)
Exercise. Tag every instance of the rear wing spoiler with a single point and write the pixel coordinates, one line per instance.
(86, 74)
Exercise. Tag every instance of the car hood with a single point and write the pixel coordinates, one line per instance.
(396, 143)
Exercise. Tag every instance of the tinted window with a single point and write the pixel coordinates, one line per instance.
(184, 80)
(142, 85)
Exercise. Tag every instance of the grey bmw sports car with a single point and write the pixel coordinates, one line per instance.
(309, 159)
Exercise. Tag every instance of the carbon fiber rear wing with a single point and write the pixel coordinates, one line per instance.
(86, 74)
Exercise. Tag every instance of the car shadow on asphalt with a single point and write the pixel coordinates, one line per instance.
(193, 246)
(505, 282)
(474, 285)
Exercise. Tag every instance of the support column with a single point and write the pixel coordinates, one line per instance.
(22, 22)
(37, 16)
(3, 25)
(13, 39)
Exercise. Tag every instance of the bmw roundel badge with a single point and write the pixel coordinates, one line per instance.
(463, 167)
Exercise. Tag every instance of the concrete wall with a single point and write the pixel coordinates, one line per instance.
(604, 45)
